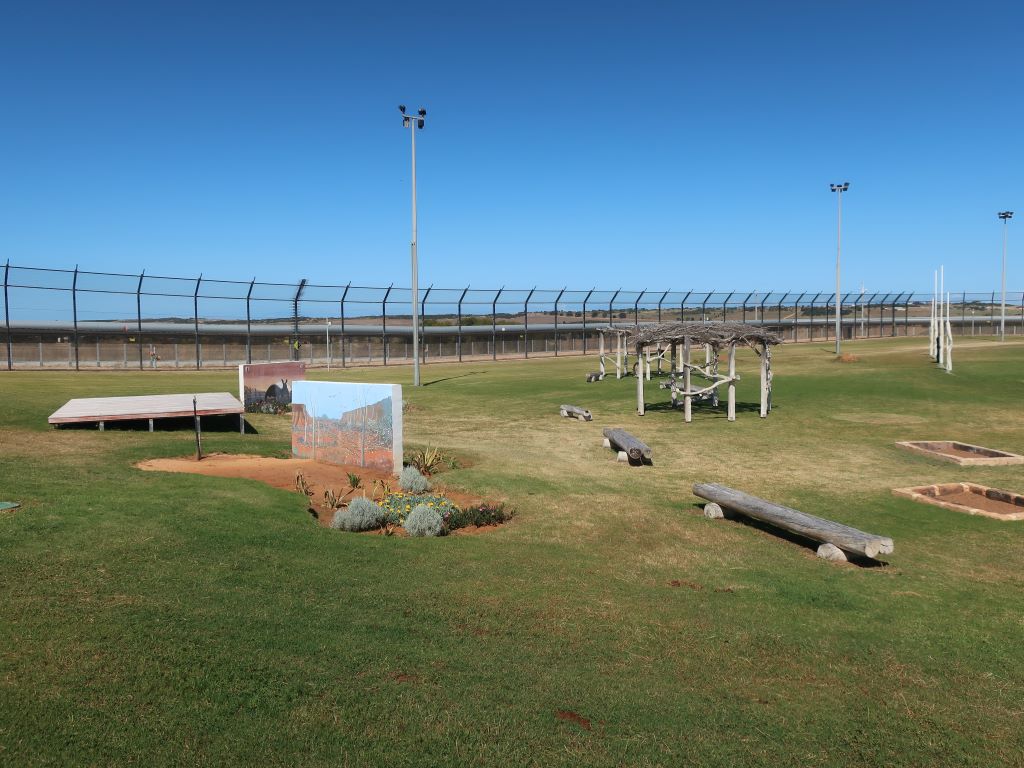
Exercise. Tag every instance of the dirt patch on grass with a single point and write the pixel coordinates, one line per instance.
(281, 473)
(846, 357)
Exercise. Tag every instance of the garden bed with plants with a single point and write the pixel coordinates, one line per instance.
(356, 498)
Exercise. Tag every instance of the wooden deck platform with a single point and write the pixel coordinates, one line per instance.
(146, 407)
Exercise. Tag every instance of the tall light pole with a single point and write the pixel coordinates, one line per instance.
(840, 188)
(1005, 216)
(413, 123)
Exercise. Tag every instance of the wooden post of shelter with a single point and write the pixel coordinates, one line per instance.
(764, 377)
(618, 356)
(732, 381)
(687, 397)
(639, 382)
(600, 352)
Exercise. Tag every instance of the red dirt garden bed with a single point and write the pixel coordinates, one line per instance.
(281, 473)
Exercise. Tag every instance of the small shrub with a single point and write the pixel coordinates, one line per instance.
(360, 515)
(424, 521)
(411, 481)
(480, 514)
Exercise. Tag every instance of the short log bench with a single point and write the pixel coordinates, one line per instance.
(575, 411)
(835, 538)
(595, 376)
(628, 447)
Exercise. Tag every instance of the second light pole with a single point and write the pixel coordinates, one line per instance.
(1005, 216)
(839, 188)
(413, 123)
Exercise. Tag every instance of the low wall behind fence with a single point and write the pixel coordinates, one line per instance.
(78, 319)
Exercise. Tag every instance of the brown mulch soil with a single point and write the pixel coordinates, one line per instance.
(978, 501)
(280, 473)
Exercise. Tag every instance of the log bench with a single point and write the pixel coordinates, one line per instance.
(576, 412)
(835, 538)
(595, 376)
(628, 447)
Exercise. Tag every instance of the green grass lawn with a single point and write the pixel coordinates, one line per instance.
(157, 619)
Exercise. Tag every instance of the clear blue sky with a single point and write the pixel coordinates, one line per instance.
(639, 144)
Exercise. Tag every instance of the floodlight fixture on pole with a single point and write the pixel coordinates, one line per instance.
(1005, 216)
(839, 188)
(414, 122)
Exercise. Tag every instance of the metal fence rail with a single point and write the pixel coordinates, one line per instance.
(75, 318)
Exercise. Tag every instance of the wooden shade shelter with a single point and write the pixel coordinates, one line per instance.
(677, 341)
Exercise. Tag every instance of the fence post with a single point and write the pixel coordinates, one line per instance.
(991, 312)
(810, 328)
(384, 323)
(779, 315)
(662, 299)
(459, 339)
(892, 322)
(704, 308)
(636, 308)
(195, 318)
(611, 318)
(744, 310)
(343, 295)
(423, 314)
(494, 324)
(725, 304)
(7, 316)
(138, 315)
(74, 311)
(906, 314)
(796, 315)
(294, 351)
(589, 294)
(526, 323)
(682, 306)
(557, 299)
(248, 323)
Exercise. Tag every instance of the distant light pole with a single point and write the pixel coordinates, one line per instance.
(328, 344)
(1005, 216)
(840, 188)
(412, 123)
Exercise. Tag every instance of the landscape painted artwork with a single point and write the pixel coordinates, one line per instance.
(347, 423)
(268, 384)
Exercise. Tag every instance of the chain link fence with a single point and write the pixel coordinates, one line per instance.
(56, 318)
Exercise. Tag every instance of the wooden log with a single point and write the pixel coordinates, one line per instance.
(786, 518)
(574, 410)
(595, 376)
(621, 439)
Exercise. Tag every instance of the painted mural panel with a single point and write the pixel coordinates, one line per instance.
(348, 423)
(267, 387)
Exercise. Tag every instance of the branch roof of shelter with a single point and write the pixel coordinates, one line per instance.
(617, 330)
(716, 334)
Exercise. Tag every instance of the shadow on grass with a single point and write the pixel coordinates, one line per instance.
(451, 378)
(217, 423)
(793, 538)
(703, 409)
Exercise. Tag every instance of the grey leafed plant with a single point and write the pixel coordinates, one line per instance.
(424, 521)
(411, 481)
(360, 515)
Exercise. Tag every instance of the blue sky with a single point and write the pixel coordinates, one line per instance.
(647, 144)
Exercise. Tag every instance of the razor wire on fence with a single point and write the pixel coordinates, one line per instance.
(71, 318)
